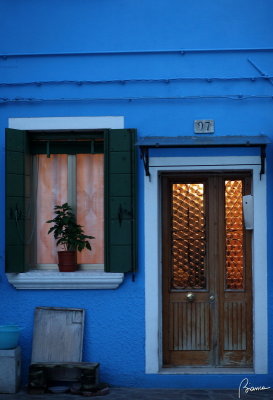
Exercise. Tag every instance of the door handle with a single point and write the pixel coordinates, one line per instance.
(190, 297)
(211, 297)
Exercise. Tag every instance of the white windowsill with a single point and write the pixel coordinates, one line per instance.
(205, 370)
(50, 279)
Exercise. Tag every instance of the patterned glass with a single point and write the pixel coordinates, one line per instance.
(234, 235)
(188, 236)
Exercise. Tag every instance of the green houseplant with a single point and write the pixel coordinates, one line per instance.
(70, 235)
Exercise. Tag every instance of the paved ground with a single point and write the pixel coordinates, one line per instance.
(149, 394)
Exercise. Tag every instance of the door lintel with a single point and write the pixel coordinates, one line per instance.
(147, 142)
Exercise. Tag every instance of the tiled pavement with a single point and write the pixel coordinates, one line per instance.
(149, 394)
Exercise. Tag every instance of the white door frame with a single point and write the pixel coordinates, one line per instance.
(153, 262)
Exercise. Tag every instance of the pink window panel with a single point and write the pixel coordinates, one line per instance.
(52, 190)
(90, 205)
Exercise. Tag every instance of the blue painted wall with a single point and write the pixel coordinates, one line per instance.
(62, 74)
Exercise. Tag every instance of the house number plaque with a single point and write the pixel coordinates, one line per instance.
(204, 126)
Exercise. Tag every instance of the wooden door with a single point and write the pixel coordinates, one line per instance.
(207, 301)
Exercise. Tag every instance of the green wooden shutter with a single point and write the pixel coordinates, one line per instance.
(17, 172)
(120, 200)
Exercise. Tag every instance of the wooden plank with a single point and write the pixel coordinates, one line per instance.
(189, 325)
(58, 335)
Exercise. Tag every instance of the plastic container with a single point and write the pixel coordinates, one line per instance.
(9, 336)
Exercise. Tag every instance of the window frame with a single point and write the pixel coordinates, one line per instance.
(70, 143)
(54, 279)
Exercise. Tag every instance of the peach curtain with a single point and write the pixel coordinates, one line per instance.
(90, 206)
(52, 190)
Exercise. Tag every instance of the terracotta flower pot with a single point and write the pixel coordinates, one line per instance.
(67, 261)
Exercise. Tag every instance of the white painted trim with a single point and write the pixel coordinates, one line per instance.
(55, 123)
(153, 302)
(207, 371)
(42, 279)
(50, 279)
(199, 163)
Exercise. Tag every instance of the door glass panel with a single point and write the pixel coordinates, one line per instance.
(234, 235)
(188, 236)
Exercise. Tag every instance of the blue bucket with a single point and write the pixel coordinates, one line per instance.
(9, 336)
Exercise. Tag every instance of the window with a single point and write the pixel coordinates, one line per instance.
(110, 151)
(77, 178)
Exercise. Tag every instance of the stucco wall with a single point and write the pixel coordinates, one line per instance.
(224, 44)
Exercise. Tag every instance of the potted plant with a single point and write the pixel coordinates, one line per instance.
(70, 235)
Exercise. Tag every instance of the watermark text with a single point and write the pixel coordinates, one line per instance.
(246, 387)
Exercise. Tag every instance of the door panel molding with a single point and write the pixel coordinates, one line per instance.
(153, 299)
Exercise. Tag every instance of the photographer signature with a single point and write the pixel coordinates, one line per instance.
(245, 386)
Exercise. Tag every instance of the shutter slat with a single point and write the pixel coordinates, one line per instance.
(120, 201)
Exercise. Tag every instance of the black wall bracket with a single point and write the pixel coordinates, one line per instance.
(144, 155)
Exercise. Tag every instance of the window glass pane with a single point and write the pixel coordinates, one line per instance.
(51, 190)
(188, 236)
(234, 235)
(90, 205)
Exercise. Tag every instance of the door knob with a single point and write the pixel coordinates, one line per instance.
(190, 297)
(212, 297)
